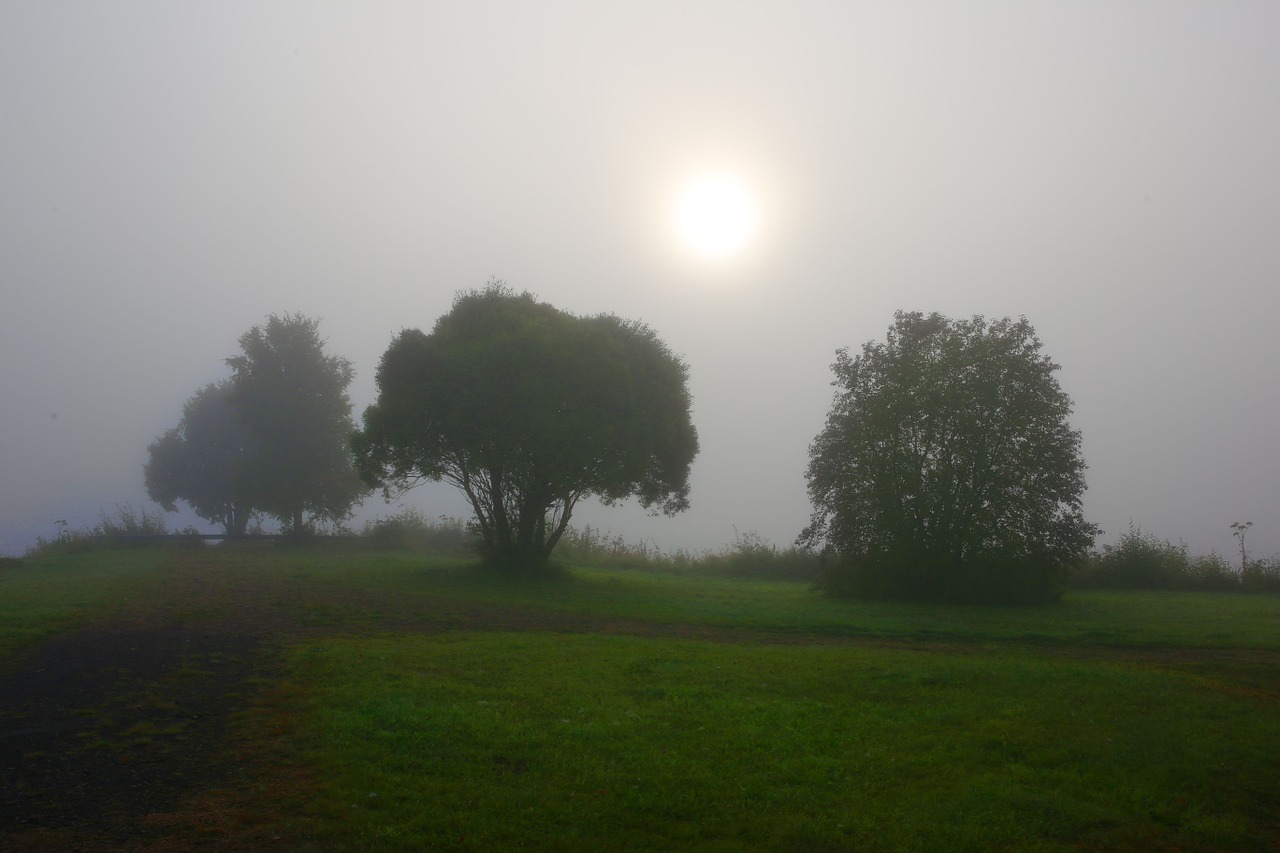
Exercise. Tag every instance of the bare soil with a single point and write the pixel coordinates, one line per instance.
(109, 724)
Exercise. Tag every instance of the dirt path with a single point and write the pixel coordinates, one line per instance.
(109, 724)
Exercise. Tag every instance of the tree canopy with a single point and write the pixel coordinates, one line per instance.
(947, 467)
(270, 440)
(527, 410)
(292, 398)
(200, 461)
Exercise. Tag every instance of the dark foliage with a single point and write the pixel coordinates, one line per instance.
(201, 461)
(527, 410)
(947, 468)
(752, 557)
(292, 398)
(271, 440)
(1142, 561)
(410, 530)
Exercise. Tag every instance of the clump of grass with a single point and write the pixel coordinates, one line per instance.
(123, 521)
(127, 520)
(751, 556)
(591, 546)
(411, 530)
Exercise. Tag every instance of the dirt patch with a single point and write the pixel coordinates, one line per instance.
(106, 725)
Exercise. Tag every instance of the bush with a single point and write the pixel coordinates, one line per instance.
(1210, 573)
(751, 556)
(410, 530)
(1138, 561)
(1142, 561)
(1261, 576)
(592, 546)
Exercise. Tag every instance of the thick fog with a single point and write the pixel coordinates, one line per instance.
(170, 173)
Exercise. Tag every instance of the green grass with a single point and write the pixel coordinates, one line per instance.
(1209, 619)
(44, 595)
(554, 742)
(1093, 617)
(424, 705)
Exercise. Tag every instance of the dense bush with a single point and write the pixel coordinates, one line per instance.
(591, 546)
(1143, 561)
(749, 557)
(948, 468)
(1261, 575)
(1139, 561)
(410, 530)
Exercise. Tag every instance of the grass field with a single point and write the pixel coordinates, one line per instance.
(415, 704)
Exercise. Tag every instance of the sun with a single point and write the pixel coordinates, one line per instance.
(715, 215)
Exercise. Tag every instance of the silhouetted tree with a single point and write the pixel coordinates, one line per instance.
(201, 461)
(947, 468)
(527, 410)
(292, 399)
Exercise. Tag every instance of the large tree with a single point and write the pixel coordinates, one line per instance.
(527, 410)
(947, 467)
(292, 398)
(201, 461)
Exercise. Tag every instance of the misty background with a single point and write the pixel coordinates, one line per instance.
(170, 173)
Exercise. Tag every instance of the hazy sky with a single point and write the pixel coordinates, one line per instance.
(172, 172)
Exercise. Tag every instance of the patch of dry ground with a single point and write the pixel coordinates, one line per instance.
(111, 723)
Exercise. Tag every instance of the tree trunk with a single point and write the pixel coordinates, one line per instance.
(237, 521)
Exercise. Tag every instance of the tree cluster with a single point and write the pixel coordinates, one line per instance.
(947, 468)
(270, 441)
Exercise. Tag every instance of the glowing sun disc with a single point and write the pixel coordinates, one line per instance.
(715, 215)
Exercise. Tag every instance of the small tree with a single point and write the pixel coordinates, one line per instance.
(527, 410)
(947, 468)
(202, 461)
(292, 399)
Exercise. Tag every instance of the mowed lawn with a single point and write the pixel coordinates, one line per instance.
(417, 705)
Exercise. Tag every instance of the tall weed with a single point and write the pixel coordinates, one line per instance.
(750, 556)
(411, 530)
(124, 521)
